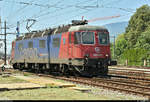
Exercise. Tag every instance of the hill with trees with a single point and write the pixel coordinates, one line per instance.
(116, 28)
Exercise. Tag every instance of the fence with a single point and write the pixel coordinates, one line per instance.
(145, 63)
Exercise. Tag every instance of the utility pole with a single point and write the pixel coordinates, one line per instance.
(5, 39)
(5, 48)
(114, 48)
(5, 42)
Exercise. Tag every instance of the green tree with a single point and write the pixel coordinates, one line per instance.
(138, 24)
(134, 44)
(121, 44)
(135, 56)
(144, 40)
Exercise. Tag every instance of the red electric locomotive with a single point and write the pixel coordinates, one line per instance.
(77, 48)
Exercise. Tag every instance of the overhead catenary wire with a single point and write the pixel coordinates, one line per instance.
(63, 13)
(38, 16)
(66, 7)
(52, 12)
(22, 21)
(25, 6)
(76, 6)
(88, 7)
(12, 6)
(14, 14)
(74, 16)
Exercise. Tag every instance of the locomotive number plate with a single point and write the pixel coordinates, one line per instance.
(97, 54)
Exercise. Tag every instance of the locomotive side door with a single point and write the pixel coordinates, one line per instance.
(70, 47)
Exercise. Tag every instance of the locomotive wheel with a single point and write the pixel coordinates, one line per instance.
(41, 68)
(62, 69)
(21, 67)
(105, 70)
(15, 66)
(66, 70)
(36, 68)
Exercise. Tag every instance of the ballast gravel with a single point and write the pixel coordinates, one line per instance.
(112, 95)
(109, 94)
(105, 93)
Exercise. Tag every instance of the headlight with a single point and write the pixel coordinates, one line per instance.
(106, 55)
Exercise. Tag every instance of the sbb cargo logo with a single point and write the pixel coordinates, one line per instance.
(97, 49)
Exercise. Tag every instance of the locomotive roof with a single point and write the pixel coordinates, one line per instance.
(67, 28)
(86, 28)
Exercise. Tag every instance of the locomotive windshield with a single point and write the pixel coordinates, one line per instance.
(103, 38)
(87, 37)
(84, 37)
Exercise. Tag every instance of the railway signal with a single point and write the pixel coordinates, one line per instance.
(17, 29)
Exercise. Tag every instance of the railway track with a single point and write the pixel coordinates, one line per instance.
(122, 75)
(130, 73)
(109, 84)
(131, 81)
(129, 86)
(130, 67)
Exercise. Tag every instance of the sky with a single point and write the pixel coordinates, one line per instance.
(52, 13)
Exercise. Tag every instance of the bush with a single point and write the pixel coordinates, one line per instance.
(135, 57)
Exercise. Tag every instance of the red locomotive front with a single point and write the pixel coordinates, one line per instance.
(91, 44)
(88, 49)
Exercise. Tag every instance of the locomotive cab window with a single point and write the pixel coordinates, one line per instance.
(20, 46)
(42, 43)
(70, 38)
(84, 37)
(77, 38)
(103, 38)
(30, 44)
(87, 37)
